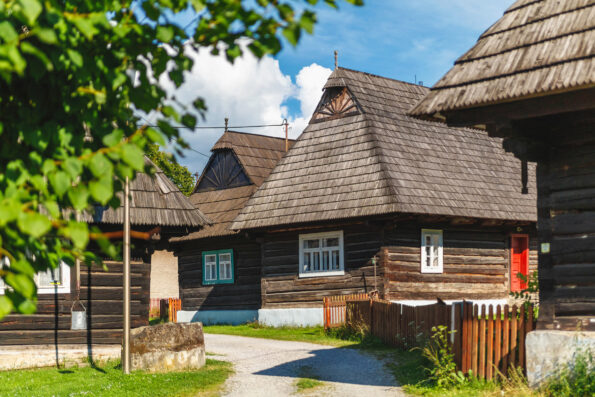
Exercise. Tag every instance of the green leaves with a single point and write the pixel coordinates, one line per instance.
(73, 85)
(33, 224)
(60, 182)
(133, 156)
(78, 233)
(28, 11)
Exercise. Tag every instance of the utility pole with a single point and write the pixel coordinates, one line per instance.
(126, 311)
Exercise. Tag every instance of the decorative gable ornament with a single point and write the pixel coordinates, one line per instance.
(223, 171)
(336, 102)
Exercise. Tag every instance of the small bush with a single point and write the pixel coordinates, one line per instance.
(443, 371)
(574, 379)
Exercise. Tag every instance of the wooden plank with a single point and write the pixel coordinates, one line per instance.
(490, 345)
(474, 341)
(482, 343)
(513, 337)
(521, 327)
(498, 338)
(505, 341)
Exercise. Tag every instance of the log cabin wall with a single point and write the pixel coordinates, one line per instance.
(283, 288)
(566, 206)
(476, 262)
(244, 293)
(102, 295)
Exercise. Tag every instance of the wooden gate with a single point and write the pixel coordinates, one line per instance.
(334, 308)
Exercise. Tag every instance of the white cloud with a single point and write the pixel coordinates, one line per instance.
(249, 92)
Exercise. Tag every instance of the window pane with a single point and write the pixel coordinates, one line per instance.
(316, 261)
(210, 267)
(307, 262)
(225, 257)
(225, 270)
(335, 259)
(331, 242)
(311, 243)
(325, 261)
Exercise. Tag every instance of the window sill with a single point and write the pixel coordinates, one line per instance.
(432, 271)
(322, 274)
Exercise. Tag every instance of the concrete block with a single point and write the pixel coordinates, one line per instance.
(548, 351)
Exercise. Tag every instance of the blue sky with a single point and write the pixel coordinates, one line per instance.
(393, 38)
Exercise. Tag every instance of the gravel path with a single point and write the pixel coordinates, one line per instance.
(270, 368)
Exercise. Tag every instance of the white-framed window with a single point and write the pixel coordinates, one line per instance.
(48, 282)
(431, 251)
(321, 254)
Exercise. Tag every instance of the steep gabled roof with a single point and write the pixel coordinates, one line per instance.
(538, 47)
(155, 200)
(258, 155)
(382, 161)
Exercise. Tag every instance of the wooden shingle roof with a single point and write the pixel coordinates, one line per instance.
(155, 201)
(258, 155)
(383, 161)
(539, 47)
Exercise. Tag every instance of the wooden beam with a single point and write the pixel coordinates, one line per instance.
(523, 109)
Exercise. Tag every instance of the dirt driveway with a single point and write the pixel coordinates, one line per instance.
(265, 367)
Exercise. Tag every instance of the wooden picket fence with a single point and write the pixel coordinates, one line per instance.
(491, 341)
(334, 308)
(486, 341)
(168, 308)
(395, 324)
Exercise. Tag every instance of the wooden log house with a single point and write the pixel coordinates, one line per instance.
(155, 201)
(530, 79)
(220, 268)
(369, 198)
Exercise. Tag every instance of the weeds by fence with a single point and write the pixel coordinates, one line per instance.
(487, 341)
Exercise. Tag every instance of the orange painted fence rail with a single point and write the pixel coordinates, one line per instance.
(486, 340)
(165, 308)
(334, 308)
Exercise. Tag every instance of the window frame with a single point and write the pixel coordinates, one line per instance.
(63, 288)
(426, 269)
(219, 280)
(311, 236)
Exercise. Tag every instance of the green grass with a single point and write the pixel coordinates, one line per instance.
(308, 380)
(107, 380)
(302, 334)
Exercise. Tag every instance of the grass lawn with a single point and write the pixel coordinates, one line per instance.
(107, 380)
(304, 334)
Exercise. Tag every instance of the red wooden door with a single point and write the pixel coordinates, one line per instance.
(519, 261)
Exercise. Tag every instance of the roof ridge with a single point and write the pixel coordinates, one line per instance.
(513, 8)
(484, 35)
(253, 134)
(382, 77)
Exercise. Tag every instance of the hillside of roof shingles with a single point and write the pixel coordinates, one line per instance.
(258, 155)
(536, 48)
(383, 161)
(155, 200)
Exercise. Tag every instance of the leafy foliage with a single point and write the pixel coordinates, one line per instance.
(178, 174)
(574, 379)
(73, 77)
(443, 370)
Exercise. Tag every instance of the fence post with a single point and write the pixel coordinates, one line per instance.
(490, 358)
(482, 342)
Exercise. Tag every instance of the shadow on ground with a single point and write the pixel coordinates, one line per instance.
(342, 365)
